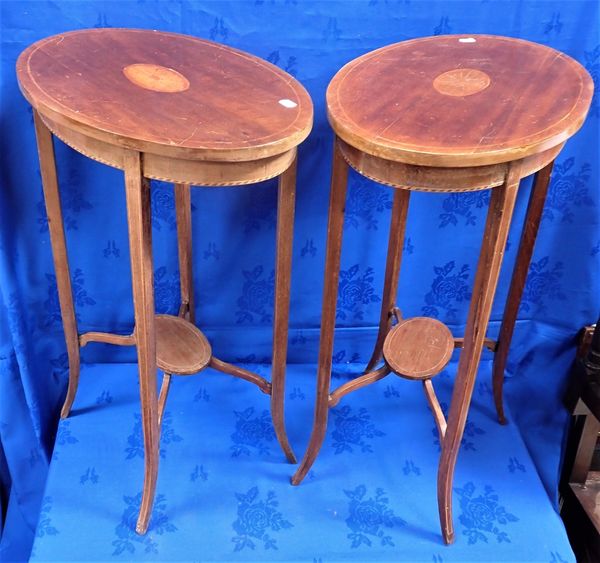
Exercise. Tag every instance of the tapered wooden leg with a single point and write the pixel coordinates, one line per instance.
(137, 190)
(533, 218)
(392, 272)
(183, 212)
(490, 259)
(59, 254)
(283, 270)
(337, 202)
(183, 209)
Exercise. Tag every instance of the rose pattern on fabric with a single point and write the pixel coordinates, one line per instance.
(444, 27)
(370, 518)
(290, 66)
(515, 465)
(353, 430)
(63, 434)
(45, 527)
(90, 476)
(257, 519)
(410, 467)
(568, 188)
(105, 398)
(135, 442)
(390, 391)
(542, 283)
(163, 206)
(366, 200)
(202, 395)
(297, 393)
(219, 31)
(355, 290)
(252, 432)
(127, 538)
(481, 515)
(309, 249)
(72, 202)
(260, 207)
(462, 205)
(211, 251)
(554, 25)
(111, 249)
(199, 473)
(166, 291)
(258, 297)
(80, 297)
(448, 288)
(592, 64)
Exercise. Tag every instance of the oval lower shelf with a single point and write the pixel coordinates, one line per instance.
(418, 348)
(181, 348)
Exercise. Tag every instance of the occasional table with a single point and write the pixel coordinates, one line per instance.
(183, 110)
(445, 114)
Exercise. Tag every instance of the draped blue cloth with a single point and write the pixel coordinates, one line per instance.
(233, 231)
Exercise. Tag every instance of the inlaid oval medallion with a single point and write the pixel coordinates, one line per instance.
(461, 82)
(157, 78)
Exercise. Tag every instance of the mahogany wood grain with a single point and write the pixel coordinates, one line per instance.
(183, 212)
(357, 383)
(59, 255)
(177, 170)
(286, 201)
(387, 103)
(489, 343)
(418, 348)
(139, 220)
(237, 107)
(392, 272)
(337, 203)
(440, 179)
(486, 279)
(436, 409)
(180, 347)
(106, 338)
(529, 233)
(236, 371)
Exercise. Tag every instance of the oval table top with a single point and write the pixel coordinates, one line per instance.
(459, 100)
(166, 93)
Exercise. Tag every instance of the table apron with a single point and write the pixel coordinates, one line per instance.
(176, 170)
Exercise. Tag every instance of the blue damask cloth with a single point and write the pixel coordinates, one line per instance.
(224, 491)
(233, 232)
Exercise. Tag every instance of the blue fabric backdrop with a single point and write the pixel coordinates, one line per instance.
(234, 227)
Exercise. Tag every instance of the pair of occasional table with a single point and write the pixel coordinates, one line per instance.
(440, 114)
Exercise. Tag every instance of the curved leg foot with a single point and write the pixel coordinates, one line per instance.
(337, 202)
(137, 190)
(486, 280)
(283, 254)
(72, 388)
(45, 148)
(318, 434)
(533, 218)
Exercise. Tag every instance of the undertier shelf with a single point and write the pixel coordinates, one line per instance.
(418, 348)
(180, 346)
